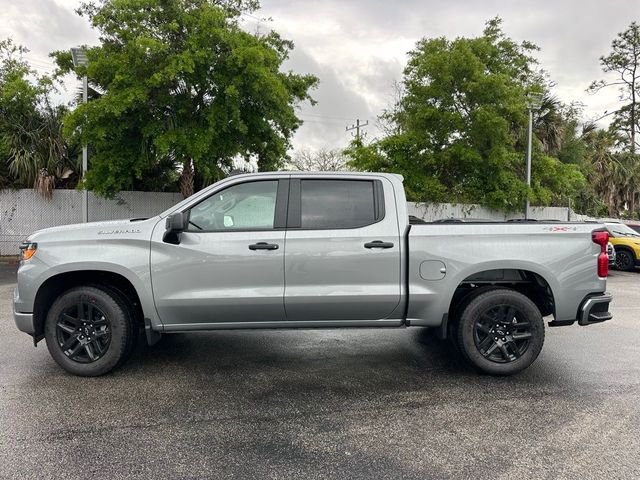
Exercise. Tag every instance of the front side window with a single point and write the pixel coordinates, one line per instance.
(337, 203)
(246, 206)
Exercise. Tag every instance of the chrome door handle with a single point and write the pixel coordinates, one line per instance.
(378, 244)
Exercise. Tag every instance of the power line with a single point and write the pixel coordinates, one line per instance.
(251, 16)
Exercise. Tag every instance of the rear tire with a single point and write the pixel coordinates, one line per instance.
(500, 332)
(89, 330)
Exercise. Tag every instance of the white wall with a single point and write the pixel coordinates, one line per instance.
(25, 211)
(437, 211)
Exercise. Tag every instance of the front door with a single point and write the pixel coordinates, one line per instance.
(343, 250)
(228, 266)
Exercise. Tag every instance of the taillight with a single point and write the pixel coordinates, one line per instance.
(602, 238)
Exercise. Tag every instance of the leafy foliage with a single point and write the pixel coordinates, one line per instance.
(33, 151)
(460, 126)
(624, 61)
(182, 86)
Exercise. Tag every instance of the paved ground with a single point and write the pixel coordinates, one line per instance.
(327, 404)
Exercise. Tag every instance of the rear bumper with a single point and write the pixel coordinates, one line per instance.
(595, 309)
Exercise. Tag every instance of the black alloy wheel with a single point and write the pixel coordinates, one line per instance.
(91, 329)
(624, 260)
(501, 334)
(83, 332)
(499, 331)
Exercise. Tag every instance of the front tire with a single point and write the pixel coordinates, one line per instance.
(625, 260)
(500, 332)
(89, 330)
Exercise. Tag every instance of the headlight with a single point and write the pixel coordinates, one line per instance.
(27, 250)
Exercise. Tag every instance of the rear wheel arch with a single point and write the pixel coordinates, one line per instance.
(529, 283)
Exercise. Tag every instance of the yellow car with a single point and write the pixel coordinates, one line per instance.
(626, 241)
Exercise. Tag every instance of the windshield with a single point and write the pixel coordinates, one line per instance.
(621, 230)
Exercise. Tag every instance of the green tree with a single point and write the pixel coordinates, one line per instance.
(624, 61)
(33, 151)
(608, 169)
(184, 87)
(458, 132)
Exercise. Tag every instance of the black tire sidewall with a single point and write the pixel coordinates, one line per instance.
(480, 304)
(629, 256)
(119, 324)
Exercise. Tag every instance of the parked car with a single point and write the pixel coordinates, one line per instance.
(626, 242)
(296, 250)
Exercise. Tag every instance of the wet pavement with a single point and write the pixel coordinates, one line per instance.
(393, 403)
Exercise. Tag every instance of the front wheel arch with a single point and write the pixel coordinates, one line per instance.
(56, 285)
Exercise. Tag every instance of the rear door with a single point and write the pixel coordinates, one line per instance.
(342, 260)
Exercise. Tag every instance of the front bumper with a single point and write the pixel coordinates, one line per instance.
(24, 322)
(595, 309)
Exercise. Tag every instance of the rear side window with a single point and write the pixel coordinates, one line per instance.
(327, 204)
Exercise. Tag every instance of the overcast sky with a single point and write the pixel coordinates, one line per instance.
(358, 48)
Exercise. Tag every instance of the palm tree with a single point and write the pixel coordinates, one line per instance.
(39, 154)
(33, 150)
(549, 124)
(609, 171)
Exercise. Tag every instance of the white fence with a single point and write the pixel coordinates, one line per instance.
(437, 211)
(24, 211)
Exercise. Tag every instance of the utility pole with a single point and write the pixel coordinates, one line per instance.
(79, 57)
(357, 128)
(533, 103)
(526, 208)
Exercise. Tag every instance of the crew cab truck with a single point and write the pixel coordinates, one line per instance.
(307, 250)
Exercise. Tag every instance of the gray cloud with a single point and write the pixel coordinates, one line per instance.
(358, 48)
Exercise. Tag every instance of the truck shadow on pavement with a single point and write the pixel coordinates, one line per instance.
(346, 359)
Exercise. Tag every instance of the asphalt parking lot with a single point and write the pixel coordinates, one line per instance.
(327, 404)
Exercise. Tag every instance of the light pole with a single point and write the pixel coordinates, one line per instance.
(79, 58)
(533, 102)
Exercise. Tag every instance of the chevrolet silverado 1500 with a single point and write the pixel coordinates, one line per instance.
(301, 250)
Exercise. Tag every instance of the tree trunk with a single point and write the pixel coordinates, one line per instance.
(186, 178)
(612, 203)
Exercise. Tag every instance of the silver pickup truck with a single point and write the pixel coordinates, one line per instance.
(301, 250)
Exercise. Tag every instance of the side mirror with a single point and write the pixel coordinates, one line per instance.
(176, 224)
